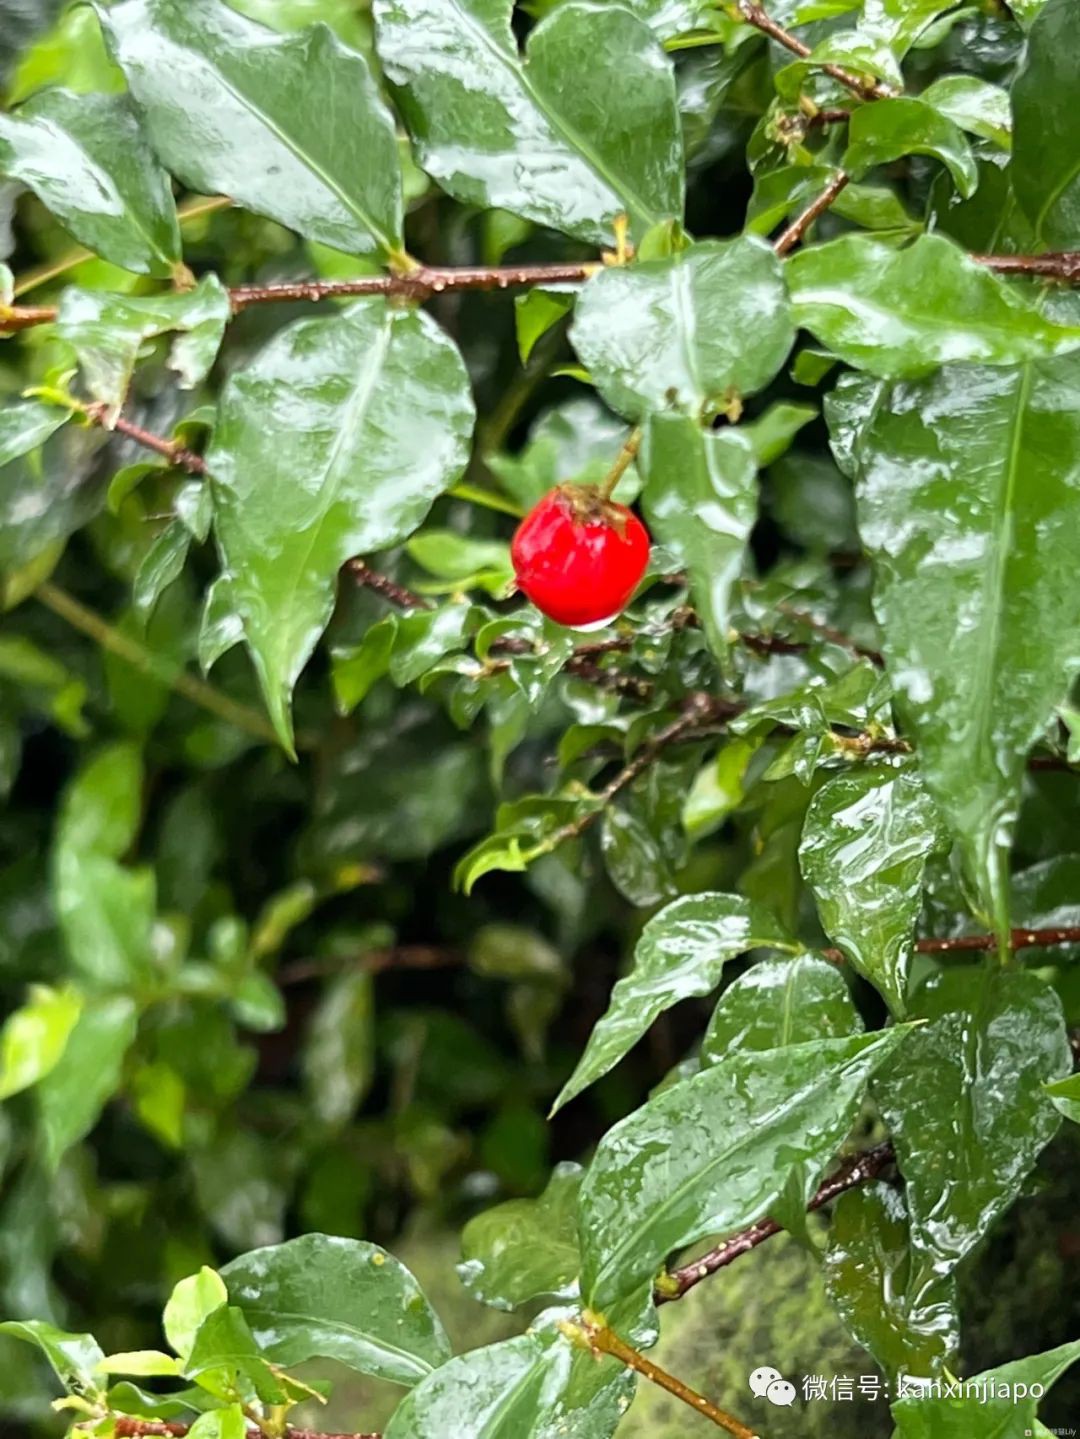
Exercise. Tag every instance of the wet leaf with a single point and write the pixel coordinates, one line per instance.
(779, 1002)
(525, 1249)
(1046, 168)
(982, 1412)
(883, 132)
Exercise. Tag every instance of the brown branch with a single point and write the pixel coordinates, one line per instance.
(376, 961)
(161, 1429)
(594, 1335)
(857, 1170)
(383, 586)
(173, 451)
(1063, 265)
(418, 284)
(754, 15)
(790, 237)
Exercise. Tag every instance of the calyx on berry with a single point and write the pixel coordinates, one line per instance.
(579, 556)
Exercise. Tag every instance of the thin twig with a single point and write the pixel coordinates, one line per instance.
(860, 1169)
(172, 450)
(383, 586)
(418, 284)
(1061, 265)
(376, 961)
(799, 226)
(593, 1334)
(754, 15)
(125, 647)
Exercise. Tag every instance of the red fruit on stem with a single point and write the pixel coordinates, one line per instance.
(579, 557)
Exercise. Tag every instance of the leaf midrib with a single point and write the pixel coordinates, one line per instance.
(259, 1313)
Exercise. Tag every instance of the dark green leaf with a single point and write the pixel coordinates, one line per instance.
(292, 127)
(86, 159)
(881, 133)
(225, 1356)
(780, 193)
(45, 490)
(997, 1404)
(75, 1091)
(863, 852)
(338, 1299)
(779, 1002)
(1046, 165)
(527, 1248)
(582, 129)
(701, 503)
(729, 1138)
(25, 425)
(973, 581)
(967, 1140)
(688, 333)
(901, 313)
(681, 955)
(302, 485)
(974, 105)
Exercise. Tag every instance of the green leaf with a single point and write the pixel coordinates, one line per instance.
(86, 159)
(33, 1038)
(688, 333)
(318, 1297)
(228, 1423)
(779, 1002)
(107, 333)
(76, 1358)
(701, 502)
(780, 193)
(46, 491)
(536, 1386)
(583, 128)
(889, 129)
(25, 425)
(527, 1248)
(910, 1327)
(102, 808)
(681, 955)
(997, 1404)
(899, 23)
(967, 1141)
(311, 466)
(1046, 139)
(973, 584)
(1065, 1097)
(729, 1136)
(973, 104)
(225, 1357)
(339, 1051)
(772, 434)
(292, 127)
(141, 1364)
(899, 314)
(86, 1076)
(864, 848)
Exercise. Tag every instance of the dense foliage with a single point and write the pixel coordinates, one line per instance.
(330, 865)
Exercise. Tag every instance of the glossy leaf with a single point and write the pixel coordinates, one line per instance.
(974, 586)
(189, 1304)
(314, 462)
(107, 333)
(907, 1322)
(75, 1091)
(75, 1358)
(779, 1002)
(997, 1404)
(701, 503)
(788, 190)
(25, 425)
(86, 159)
(974, 105)
(863, 852)
(526, 1248)
(1065, 1097)
(728, 1137)
(288, 126)
(33, 1038)
(581, 129)
(681, 955)
(687, 333)
(1046, 168)
(225, 1359)
(899, 314)
(338, 1299)
(993, 1040)
(889, 129)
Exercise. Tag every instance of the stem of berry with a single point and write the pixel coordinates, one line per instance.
(625, 458)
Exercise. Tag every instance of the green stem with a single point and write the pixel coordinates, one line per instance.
(625, 458)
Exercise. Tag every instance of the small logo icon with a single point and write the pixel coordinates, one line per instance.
(768, 1383)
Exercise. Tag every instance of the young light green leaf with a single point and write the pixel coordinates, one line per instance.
(907, 1322)
(86, 1076)
(701, 502)
(312, 466)
(899, 314)
(107, 333)
(729, 1138)
(289, 126)
(779, 1002)
(889, 129)
(1000, 1403)
(225, 1358)
(525, 1249)
(688, 333)
(681, 955)
(191, 1301)
(227, 1423)
(583, 128)
(973, 585)
(86, 159)
(34, 1036)
(76, 1358)
(1046, 140)
(319, 1297)
(994, 1039)
(864, 847)
(141, 1364)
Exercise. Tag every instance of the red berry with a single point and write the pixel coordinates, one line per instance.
(579, 557)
